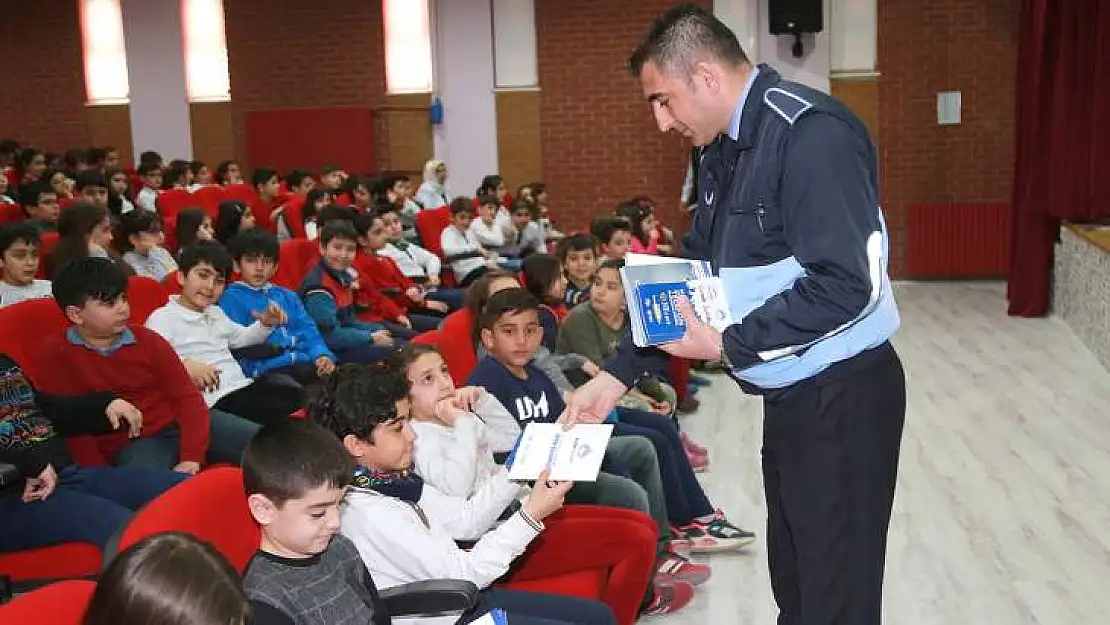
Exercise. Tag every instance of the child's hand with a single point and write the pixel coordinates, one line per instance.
(382, 338)
(448, 411)
(324, 366)
(433, 280)
(123, 413)
(415, 293)
(190, 468)
(547, 497)
(467, 397)
(405, 321)
(432, 304)
(204, 376)
(272, 316)
(590, 369)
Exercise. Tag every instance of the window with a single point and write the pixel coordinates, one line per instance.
(104, 51)
(408, 46)
(206, 73)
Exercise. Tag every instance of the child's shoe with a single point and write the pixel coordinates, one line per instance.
(714, 533)
(669, 597)
(672, 566)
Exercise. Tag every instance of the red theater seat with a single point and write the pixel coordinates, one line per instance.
(63, 603)
(10, 213)
(297, 257)
(173, 201)
(64, 561)
(145, 296)
(430, 224)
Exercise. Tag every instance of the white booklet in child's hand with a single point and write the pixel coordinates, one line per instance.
(652, 288)
(573, 455)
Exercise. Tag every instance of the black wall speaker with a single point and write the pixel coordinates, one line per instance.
(792, 17)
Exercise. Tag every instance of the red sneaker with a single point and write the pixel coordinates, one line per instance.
(698, 462)
(670, 597)
(672, 566)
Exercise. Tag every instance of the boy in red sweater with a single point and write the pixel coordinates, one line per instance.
(100, 353)
(406, 301)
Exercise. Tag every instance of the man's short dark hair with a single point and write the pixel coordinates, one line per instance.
(286, 460)
(210, 252)
(683, 36)
(338, 229)
(92, 278)
(90, 178)
(13, 233)
(355, 399)
(507, 302)
(604, 228)
(255, 242)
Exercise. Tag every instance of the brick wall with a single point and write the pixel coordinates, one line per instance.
(301, 54)
(927, 46)
(600, 144)
(42, 101)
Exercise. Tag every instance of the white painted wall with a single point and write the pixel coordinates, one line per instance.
(853, 36)
(463, 58)
(813, 68)
(156, 73)
(514, 44)
(742, 16)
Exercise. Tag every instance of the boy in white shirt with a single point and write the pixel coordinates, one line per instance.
(469, 260)
(489, 230)
(151, 175)
(406, 530)
(19, 262)
(527, 235)
(415, 262)
(204, 337)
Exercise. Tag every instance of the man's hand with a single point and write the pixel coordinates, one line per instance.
(41, 487)
(190, 468)
(437, 305)
(593, 401)
(121, 412)
(205, 377)
(701, 341)
(272, 316)
(324, 366)
(547, 497)
(382, 338)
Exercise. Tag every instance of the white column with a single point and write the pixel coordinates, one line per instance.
(742, 16)
(514, 44)
(463, 57)
(813, 68)
(853, 35)
(156, 73)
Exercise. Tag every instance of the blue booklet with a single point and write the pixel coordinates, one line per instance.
(653, 286)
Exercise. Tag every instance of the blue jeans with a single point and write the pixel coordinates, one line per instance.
(524, 607)
(363, 354)
(90, 504)
(685, 497)
(228, 436)
(451, 297)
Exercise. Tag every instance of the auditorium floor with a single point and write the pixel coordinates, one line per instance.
(1002, 514)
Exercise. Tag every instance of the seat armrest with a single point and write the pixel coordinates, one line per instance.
(437, 596)
(9, 475)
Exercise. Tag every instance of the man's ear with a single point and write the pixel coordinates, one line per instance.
(708, 75)
(262, 509)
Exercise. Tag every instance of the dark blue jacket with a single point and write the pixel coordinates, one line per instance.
(789, 217)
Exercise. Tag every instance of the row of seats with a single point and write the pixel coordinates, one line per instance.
(212, 507)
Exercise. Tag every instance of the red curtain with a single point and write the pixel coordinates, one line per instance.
(1063, 136)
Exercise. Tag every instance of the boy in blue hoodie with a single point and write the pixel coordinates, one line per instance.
(295, 347)
(328, 295)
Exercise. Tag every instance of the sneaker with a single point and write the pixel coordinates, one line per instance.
(710, 366)
(698, 462)
(715, 535)
(699, 380)
(690, 446)
(688, 405)
(692, 389)
(672, 566)
(669, 597)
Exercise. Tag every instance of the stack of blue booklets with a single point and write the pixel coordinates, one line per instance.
(653, 286)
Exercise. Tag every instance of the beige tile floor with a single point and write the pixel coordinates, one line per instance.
(1002, 514)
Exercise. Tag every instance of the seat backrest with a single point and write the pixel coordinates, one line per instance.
(62, 603)
(210, 198)
(456, 345)
(23, 326)
(173, 201)
(297, 257)
(49, 242)
(10, 213)
(430, 224)
(292, 213)
(145, 296)
(211, 506)
(170, 283)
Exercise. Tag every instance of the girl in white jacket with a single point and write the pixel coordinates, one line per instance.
(405, 529)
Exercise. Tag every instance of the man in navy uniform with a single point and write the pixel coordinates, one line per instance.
(789, 218)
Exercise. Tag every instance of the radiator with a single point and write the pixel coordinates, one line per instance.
(968, 240)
